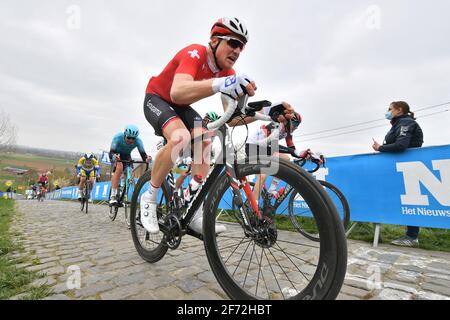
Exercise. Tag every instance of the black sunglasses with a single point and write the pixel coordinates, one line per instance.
(233, 43)
(130, 138)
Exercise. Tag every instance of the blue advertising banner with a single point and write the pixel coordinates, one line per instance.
(409, 188)
(105, 158)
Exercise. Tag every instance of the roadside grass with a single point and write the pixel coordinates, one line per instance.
(15, 281)
(429, 239)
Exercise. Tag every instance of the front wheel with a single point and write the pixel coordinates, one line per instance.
(87, 196)
(274, 261)
(151, 247)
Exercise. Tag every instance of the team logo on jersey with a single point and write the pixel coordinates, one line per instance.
(153, 108)
(194, 54)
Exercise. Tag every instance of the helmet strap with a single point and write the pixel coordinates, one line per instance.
(214, 51)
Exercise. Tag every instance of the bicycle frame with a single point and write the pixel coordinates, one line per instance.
(128, 177)
(230, 170)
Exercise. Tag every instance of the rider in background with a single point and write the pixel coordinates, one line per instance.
(257, 145)
(196, 72)
(43, 183)
(121, 147)
(87, 167)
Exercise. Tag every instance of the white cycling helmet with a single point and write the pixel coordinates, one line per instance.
(230, 26)
(89, 155)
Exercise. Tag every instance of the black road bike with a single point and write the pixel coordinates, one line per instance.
(85, 195)
(253, 259)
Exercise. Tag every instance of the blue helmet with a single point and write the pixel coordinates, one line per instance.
(131, 131)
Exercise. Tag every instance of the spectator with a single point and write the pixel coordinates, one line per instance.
(405, 133)
(8, 190)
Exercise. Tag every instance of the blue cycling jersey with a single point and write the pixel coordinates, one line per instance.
(120, 146)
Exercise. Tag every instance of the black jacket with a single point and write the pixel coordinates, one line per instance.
(405, 133)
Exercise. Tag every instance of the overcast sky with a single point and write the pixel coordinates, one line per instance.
(74, 73)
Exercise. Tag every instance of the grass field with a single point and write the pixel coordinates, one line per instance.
(15, 281)
(61, 169)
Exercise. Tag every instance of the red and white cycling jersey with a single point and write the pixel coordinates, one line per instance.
(259, 136)
(192, 60)
(43, 179)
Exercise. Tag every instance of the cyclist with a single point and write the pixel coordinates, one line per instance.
(43, 183)
(257, 144)
(122, 145)
(87, 168)
(196, 72)
(34, 189)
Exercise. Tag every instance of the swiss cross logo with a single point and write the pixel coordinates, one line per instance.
(194, 54)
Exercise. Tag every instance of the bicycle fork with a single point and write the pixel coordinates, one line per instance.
(237, 198)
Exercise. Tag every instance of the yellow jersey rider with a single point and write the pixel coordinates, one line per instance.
(87, 167)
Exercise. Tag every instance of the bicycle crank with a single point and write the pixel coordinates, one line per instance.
(173, 234)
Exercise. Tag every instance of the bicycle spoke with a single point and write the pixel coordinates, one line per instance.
(285, 274)
(294, 256)
(241, 258)
(262, 274)
(287, 256)
(249, 263)
(298, 244)
(274, 275)
(230, 237)
(236, 247)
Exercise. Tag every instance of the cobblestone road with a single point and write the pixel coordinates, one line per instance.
(64, 243)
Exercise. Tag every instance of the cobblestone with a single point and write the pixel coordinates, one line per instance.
(57, 236)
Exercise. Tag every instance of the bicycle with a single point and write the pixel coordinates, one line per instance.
(85, 195)
(40, 194)
(269, 269)
(126, 187)
(302, 221)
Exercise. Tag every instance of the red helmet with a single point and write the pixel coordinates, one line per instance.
(230, 26)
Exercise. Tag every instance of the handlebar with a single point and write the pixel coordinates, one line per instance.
(232, 105)
(147, 164)
(131, 161)
(320, 161)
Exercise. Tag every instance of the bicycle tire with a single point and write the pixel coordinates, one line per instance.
(337, 195)
(87, 195)
(131, 187)
(126, 214)
(157, 253)
(332, 263)
(113, 212)
(113, 209)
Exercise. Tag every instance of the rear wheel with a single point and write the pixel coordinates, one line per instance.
(151, 247)
(275, 261)
(301, 216)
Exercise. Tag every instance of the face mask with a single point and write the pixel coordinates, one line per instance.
(389, 115)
